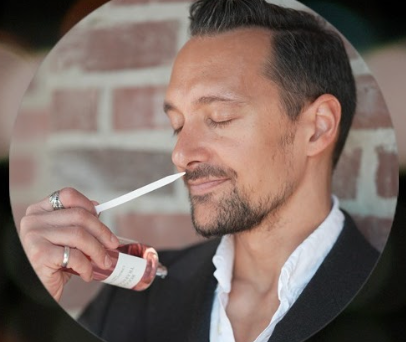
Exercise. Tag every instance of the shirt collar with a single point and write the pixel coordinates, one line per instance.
(299, 267)
(223, 260)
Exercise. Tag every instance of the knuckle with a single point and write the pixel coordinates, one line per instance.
(69, 192)
(69, 196)
(27, 234)
(25, 224)
(35, 254)
(30, 209)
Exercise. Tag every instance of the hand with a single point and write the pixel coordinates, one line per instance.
(44, 232)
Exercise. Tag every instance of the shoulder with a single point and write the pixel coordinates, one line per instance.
(349, 264)
(351, 254)
(344, 271)
(352, 241)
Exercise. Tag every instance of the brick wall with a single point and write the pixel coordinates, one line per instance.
(92, 119)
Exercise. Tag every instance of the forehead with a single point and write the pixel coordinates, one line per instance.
(228, 61)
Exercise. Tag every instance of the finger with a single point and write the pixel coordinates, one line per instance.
(69, 197)
(48, 265)
(52, 222)
(74, 236)
(40, 245)
(80, 239)
(80, 264)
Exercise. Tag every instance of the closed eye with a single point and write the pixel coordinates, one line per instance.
(211, 123)
(224, 123)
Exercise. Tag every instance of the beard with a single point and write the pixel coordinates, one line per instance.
(234, 212)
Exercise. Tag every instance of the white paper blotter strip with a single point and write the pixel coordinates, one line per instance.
(138, 192)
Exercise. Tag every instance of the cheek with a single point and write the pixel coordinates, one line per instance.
(266, 149)
(275, 163)
(258, 162)
(253, 152)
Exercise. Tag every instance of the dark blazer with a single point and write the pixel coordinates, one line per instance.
(178, 308)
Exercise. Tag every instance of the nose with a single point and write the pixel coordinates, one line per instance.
(192, 148)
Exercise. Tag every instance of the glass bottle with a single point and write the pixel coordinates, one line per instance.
(134, 266)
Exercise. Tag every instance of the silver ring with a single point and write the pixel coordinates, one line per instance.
(55, 201)
(66, 252)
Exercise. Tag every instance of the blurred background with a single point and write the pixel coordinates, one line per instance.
(69, 104)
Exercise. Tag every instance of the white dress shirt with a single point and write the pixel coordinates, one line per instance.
(295, 275)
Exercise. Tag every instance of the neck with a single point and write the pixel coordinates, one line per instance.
(261, 253)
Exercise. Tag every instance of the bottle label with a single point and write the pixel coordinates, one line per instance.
(128, 271)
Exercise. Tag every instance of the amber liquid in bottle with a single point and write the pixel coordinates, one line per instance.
(135, 266)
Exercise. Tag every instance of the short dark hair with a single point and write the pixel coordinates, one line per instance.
(308, 57)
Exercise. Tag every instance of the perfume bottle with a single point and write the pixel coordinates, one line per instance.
(135, 266)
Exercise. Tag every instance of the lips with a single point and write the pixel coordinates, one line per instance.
(204, 186)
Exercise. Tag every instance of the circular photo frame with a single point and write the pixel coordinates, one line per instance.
(93, 120)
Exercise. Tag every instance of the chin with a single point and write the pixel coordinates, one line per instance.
(203, 217)
(204, 220)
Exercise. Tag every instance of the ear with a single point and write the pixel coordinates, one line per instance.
(325, 115)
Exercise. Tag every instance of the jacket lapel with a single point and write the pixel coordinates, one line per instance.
(336, 282)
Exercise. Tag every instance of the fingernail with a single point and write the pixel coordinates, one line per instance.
(107, 261)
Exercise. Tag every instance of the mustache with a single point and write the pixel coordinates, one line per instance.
(205, 171)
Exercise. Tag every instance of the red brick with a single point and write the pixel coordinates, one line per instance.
(372, 111)
(375, 229)
(346, 175)
(161, 231)
(387, 174)
(130, 46)
(31, 124)
(74, 109)
(22, 171)
(112, 169)
(139, 108)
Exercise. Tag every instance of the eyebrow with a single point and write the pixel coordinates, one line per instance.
(203, 100)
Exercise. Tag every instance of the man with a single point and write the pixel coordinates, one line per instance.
(261, 99)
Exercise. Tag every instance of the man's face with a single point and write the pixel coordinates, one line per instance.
(234, 141)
